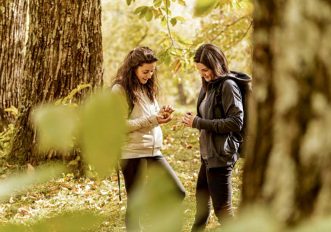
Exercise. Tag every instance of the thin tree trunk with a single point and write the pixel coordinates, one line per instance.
(288, 168)
(182, 98)
(64, 50)
(13, 14)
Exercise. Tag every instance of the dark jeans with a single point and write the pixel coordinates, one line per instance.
(132, 169)
(214, 183)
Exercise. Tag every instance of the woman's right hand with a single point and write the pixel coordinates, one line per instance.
(188, 119)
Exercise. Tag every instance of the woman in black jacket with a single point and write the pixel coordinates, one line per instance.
(220, 120)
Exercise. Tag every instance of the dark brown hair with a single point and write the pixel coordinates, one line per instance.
(213, 58)
(127, 78)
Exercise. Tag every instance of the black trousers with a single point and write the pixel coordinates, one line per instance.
(214, 184)
(132, 169)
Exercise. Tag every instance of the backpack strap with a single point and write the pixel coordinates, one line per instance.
(237, 136)
(219, 93)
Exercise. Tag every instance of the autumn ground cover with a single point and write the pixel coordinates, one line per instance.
(68, 193)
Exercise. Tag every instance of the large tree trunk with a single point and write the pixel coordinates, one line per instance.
(64, 50)
(12, 37)
(289, 165)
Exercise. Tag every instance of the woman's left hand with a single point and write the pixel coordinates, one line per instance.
(166, 111)
(161, 119)
(188, 119)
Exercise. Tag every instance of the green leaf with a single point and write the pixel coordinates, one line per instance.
(180, 19)
(157, 13)
(157, 215)
(141, 11)
(166, 10)
(183, 41)
(182, 2)
(165, 57)
(22, 181)
(203, 7)
(56, 126)
(167, 3)
(173, 21)
(149, 15)
(253, 218)
(318, 224)
(157, 3)
(70, 222)
(13, 110)
(73, 92)
(103, 130)
(13, 228)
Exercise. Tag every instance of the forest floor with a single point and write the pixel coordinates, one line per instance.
(101, 195)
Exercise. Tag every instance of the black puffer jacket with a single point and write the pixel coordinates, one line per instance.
(224, 119)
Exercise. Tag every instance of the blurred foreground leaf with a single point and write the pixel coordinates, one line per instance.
(56, 126)
(103, 130)
(23, 181)
(316, 225)
(156, 203)
(253, 218)
(69, 222)
(13, 228)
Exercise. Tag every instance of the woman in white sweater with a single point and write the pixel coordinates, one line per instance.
(136, 80)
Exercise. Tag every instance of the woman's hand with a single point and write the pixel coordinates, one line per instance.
(161, 118)
(188, 119)
(165, 114)
(166, 111)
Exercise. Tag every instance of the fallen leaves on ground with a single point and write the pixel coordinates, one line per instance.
(101, 195)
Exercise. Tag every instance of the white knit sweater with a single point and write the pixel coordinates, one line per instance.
(145, 135)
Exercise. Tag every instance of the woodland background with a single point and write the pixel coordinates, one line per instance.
(60, 134)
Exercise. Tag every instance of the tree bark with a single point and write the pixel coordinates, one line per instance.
(12, 36)
(64, 50)
(288, 167)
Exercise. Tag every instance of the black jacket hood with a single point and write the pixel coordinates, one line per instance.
(241, 77)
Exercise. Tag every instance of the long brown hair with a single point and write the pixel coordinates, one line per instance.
(127, 78)
(213, 58)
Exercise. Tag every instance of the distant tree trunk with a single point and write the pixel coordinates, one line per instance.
(181, 94)
(288, 167)
(12, 36)
(64, 50)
